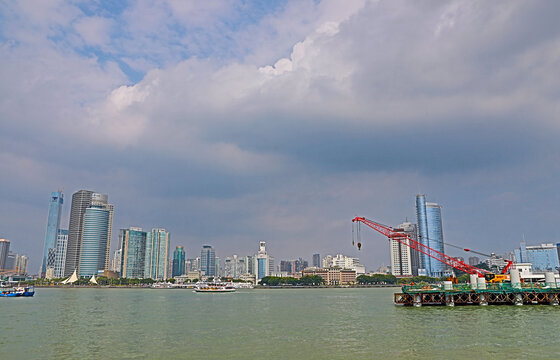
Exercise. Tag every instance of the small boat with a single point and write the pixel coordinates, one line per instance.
(214, 288)
(17, 291)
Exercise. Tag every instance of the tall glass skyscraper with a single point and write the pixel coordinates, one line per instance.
(53, 224)
(4, 251)
(178, 262)
(208, 260)
(81, 200)
(133, 242)
(157, 253)
(430, 233)
(94, 240)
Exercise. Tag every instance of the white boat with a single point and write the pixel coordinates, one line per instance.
(214, 288)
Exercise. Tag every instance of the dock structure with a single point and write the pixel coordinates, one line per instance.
(490, 294)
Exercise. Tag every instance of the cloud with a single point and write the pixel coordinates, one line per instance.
(281, 123)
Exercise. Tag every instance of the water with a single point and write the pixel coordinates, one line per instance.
(266, 324)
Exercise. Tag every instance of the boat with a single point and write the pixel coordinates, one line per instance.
(17, 291)
(214, 288)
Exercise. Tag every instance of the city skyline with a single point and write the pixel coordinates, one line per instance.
(236, 122)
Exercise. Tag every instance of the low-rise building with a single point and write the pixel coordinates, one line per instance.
(333, 275)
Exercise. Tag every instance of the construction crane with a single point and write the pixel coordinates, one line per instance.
(403, 238)
(504, 271)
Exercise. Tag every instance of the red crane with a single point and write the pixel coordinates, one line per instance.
(403, 238)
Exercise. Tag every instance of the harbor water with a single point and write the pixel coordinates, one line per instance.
(362, 323)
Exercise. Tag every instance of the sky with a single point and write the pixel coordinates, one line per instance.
(233, 122)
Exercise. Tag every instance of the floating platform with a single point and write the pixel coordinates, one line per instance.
(491, 294)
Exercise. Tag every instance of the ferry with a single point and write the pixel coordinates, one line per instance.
(17, 291)
(214, 288)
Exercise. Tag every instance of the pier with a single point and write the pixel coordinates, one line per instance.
(489, 294)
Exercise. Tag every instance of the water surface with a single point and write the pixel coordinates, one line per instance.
(266, 324)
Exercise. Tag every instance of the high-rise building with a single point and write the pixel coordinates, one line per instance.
(543, 257)
(53, 224)
(116, 261)
(157, 254)
(178, 262)
(208, 260)
(81, 200)
(4, 251)
(60, 257)
(21, 264)
(316, 260)
(93, 249)
(430, 233)
(264, 262)
(344, 262)
(234, 266)
(404, 260)
(133, 253)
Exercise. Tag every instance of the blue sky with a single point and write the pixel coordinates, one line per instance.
(234, 122)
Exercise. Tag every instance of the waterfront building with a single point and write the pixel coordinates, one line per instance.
(4, 251)
(93, 247)
(81, 200)
(264, 262)
(218, 272)
(157, 254)
(53, 225)
(22, 262)
(251, 264)
(208, 261)
(404, 259)
(192, 264)
(11, 262)
(293, 266)
(234, 266)
(133, 253)
(543, 257)
(60, 256)
(316, 260)
(430, 233)
(332, 275)
(474, 260)
(178, 262)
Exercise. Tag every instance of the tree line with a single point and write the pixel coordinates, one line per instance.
(307, 280)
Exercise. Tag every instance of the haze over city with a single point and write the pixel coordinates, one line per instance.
(228, 123)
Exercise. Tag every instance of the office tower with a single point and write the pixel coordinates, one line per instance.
(218, 272)
(53, 224)
(11, 262)
(316, 260)
(93, 248)
(404, 260)
(60, 256)
(430, 233)
(157, 253)
(208, 260)
(81, 200)
(251, 264)
(111, 209)
(133, 252)
(264, 262)
(4, 251)
(178, 262)
(234, 266)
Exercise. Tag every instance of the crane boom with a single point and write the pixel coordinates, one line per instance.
(404, 239)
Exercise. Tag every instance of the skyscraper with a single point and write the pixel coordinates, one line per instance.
(157, 253)
(53, 224)
(316, 260)
(60, 258)
(208, 260)
(430, 233)
(81, 200)
(264, 263)
(93, 250)
(178, 262)
(133, 252)
(404, 260)
(4, 251)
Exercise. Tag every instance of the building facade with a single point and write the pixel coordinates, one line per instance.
(234, 266)
(157, 254)
(4, 251)
(133, 253)
(178, 262)
(543, 257)
(316, 260)
(60, 257)
(344, 262)
(332, 276)
(404, 259)
(264, 263)
(53, 225)
(430, 233)
(208, 261)
(81, 200)
(94, 241)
